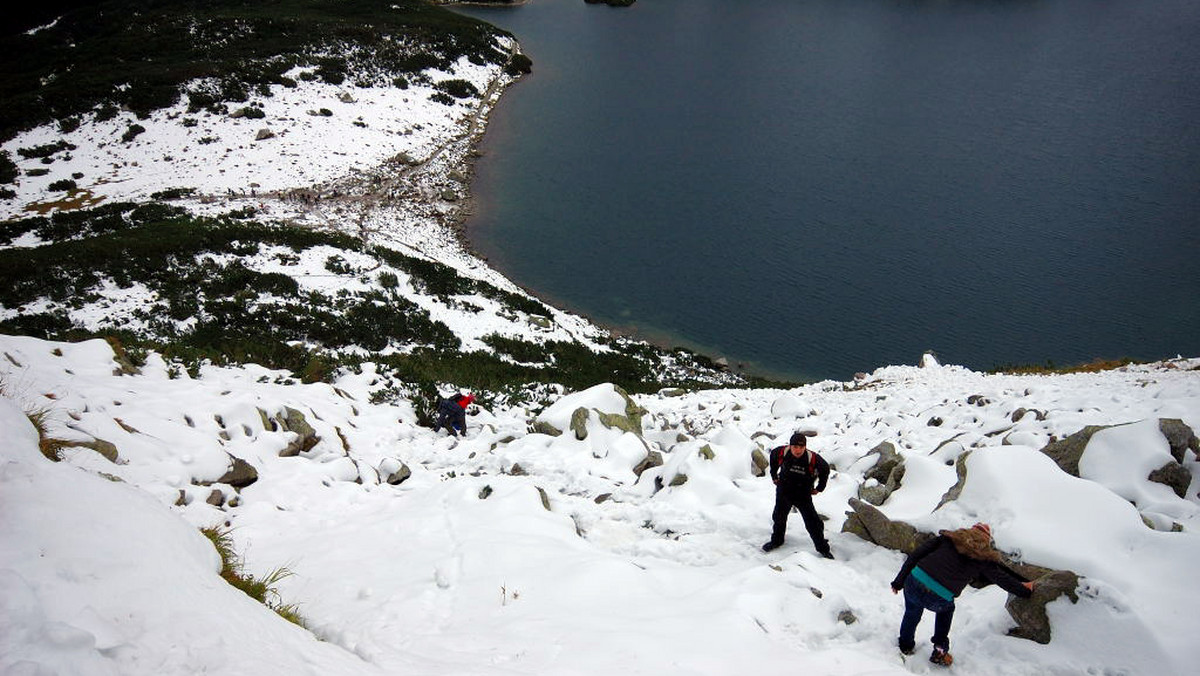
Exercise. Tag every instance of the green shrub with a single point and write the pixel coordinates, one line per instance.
(1095, 366)
(173, 194)
(63, 184)
(389, 280)
(459, 89)
(106, 112)
(44, 325)
(519, 65)
(194, 267)
(8, 169)
(520, 350)
(45, 151)
(80, 64)
(132, 132)
(69, 124)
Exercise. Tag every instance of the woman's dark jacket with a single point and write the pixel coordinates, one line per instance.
(941, 560)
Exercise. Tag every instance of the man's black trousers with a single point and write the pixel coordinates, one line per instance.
(785, 499)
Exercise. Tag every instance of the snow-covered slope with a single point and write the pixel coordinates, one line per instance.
(515, 552)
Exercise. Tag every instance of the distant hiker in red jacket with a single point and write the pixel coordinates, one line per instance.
(937, 571)
(798, 474)
(452, 413)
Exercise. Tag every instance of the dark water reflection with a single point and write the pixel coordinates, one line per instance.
(821, 187)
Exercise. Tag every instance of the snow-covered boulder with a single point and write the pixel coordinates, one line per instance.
(1128, 457)
(791, 406)
(606, 405)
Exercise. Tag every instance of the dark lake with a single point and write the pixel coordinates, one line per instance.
(817, 187)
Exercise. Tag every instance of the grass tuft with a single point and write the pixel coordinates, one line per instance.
(260, 589)
(1049, 368)
(49, 445)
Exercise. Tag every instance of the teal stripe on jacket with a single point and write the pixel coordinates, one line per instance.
(932, 584)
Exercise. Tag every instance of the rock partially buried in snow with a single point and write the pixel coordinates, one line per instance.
(870, 524)
(294, 421)
(393, 471)
(887, 473)
(759, 462)
(1067, 452)
(1030, 614)
(240, 474)
(1180, 437)
(614, 407)
(104, 448)
(653, 459)
(1153, 450)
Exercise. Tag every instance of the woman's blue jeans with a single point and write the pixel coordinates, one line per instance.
(918, 599)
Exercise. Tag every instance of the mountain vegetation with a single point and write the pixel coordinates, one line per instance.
(65, 59)
(201, 299)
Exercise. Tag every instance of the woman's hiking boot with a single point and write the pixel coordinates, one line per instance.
(941, 656)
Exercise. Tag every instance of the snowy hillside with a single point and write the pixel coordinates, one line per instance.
(368, 181)
(587, 533)
(518, 552)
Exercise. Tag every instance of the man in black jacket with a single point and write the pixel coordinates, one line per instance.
(798, 474)
(937, 571)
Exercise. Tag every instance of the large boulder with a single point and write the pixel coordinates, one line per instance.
(1180, 438)
(613, 407)
(790, 406)
(870, 524)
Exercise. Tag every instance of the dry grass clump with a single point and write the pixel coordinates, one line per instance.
(1094, 366)
(260, 589)
(48, 444)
